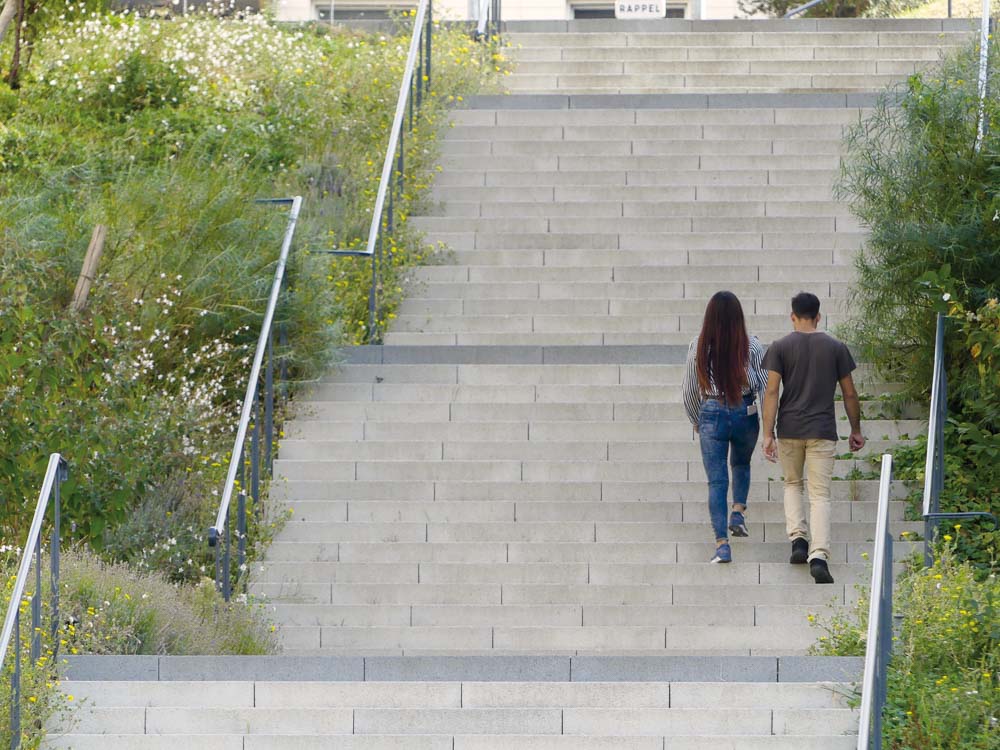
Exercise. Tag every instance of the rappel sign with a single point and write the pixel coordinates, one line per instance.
(641, 10)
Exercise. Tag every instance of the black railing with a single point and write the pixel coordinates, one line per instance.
(257, 421)
(414, 89)
(55, 475)
(879, 639)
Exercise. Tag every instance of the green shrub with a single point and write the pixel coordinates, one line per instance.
(830, 9)
(115, 609)
(944, 691)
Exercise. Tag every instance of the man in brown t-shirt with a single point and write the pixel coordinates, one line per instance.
(809, 364)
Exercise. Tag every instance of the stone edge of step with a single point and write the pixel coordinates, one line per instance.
(507, 668)
(676, 25)
(805, 100)
(512, 355)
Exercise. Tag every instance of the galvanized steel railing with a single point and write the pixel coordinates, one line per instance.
(55, 475)
(414, 88)
(879, 643)
(258, 408)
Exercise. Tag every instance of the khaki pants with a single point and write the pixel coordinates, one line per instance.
(812, 459)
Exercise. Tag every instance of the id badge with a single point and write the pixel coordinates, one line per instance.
(751, 410)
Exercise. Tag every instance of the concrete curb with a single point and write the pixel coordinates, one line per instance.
(527, 668)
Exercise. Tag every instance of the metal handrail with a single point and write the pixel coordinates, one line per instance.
(879, 639)
(934, 464)
(251, 410)
(56, 473)
(803, 8)
(413, 88)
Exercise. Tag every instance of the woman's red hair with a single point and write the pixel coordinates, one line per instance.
(723, 348)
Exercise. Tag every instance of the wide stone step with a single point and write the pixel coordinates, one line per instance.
(619, 411)
(614, 209)
(515, 573)
(731, 236)
(624, 117)
(681, 83)
(630, 144)
(737, 641)
(933, 39)
(541, 531)
(683, 449)
(620, 323)
(598, 306)
(844, 66)
(542, 615)
(710, 194)
(409, 511)
(626, 162)
(409, 490)
(766, 280)
(440, 742)
(760, 262)
(473, 176)
(783, 57)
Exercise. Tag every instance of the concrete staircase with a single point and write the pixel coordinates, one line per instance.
(545, 703)
(500, 534)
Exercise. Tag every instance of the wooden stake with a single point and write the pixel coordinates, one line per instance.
(89, 271)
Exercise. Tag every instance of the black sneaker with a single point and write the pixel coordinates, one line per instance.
(800, 552)
(819, 571)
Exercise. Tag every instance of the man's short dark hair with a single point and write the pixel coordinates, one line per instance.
(805, 305)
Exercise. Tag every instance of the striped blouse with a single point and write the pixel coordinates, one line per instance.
(693, 397)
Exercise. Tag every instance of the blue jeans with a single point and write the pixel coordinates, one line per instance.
(727, 431)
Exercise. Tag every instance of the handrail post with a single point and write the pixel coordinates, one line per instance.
(36, 604)
(430, 36)
(54, 552)
(241, 530)
(269, 404)
(255, 456)
(934, 464)
(227, 579)
(15, 686)
(984, 59)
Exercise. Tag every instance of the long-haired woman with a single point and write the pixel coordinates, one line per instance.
(723, 377)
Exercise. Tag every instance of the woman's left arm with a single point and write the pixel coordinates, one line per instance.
(756, 373)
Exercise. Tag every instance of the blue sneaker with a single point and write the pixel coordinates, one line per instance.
(723, 554)
(738, 524)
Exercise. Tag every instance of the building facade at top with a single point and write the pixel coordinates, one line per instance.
(513, 10)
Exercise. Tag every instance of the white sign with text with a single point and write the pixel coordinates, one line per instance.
(654, 9)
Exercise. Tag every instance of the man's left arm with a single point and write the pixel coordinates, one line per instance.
(852, 405)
